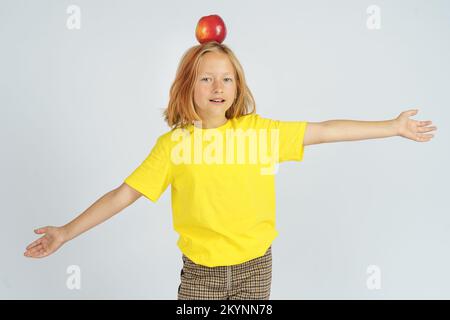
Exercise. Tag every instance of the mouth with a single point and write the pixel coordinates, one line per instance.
(217, 101)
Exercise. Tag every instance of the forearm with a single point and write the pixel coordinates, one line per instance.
(349, 130)
(102, 209)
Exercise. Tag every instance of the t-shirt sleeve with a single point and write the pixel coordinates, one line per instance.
(290, 138)
(153, 175)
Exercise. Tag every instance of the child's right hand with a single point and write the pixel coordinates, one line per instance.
(53, 239)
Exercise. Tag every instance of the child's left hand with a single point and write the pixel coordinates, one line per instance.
(413, 129)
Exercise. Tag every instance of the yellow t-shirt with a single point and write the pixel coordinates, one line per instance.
(222, 184)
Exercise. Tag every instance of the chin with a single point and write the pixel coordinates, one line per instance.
(213, 111)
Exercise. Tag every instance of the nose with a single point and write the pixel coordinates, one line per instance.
(217, 86)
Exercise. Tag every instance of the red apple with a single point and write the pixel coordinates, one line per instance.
(210, 28)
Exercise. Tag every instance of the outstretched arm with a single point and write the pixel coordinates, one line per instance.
(101, 210)
(349, 130)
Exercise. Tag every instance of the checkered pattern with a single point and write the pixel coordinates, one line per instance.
(250, 280)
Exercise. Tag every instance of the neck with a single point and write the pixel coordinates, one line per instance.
(213, 123)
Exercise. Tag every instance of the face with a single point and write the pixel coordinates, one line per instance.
(216, 80)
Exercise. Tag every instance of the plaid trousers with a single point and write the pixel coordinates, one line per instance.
(250, 280)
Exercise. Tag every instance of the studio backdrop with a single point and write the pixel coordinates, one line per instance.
(82, 88)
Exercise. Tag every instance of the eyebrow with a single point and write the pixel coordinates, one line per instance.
(226, 73)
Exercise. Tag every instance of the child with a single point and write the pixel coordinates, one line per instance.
(223, 197)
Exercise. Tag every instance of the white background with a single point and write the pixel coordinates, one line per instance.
(80, 110)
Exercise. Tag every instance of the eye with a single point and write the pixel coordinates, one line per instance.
(229, 79)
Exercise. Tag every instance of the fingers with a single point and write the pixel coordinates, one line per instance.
(424, 137)
(41, 254)
(41, 230)
(39, 251)
(423, 123)
(35, 251)
(33, 244)
(32, 251)
(426, 129)
(412, 112)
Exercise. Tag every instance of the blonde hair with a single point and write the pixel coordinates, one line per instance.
(180, 111)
